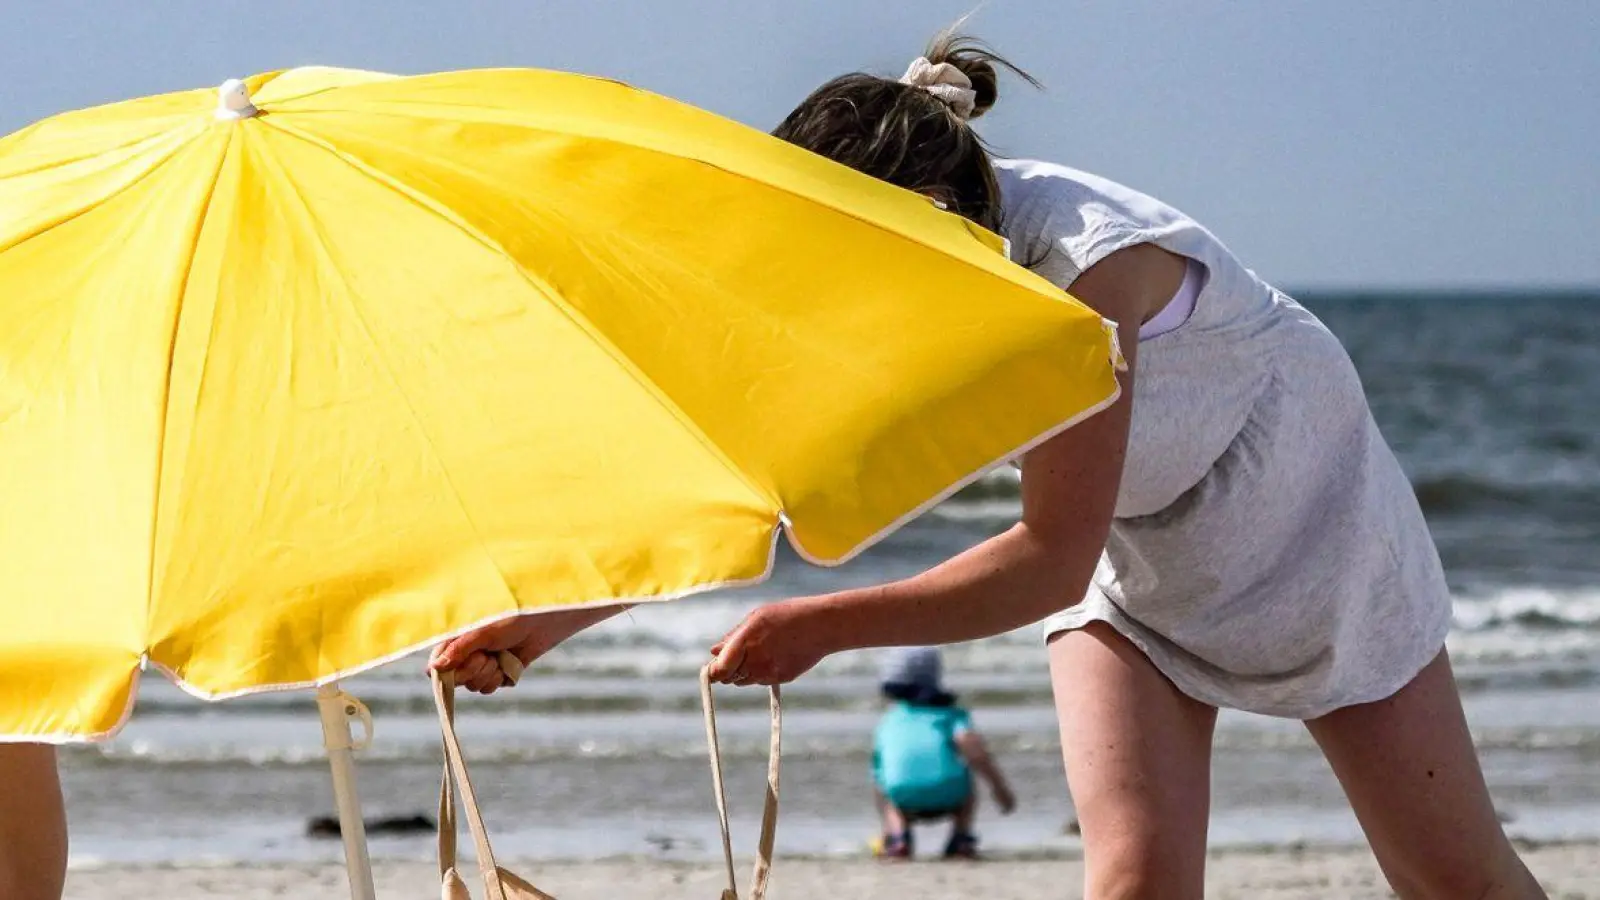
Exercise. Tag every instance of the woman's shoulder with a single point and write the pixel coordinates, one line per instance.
(1044, 174)
(1028, 183)
(1030, 175)
(1083, 217)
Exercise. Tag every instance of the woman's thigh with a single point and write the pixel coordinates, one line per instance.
(1412, 775)
(1138, 760)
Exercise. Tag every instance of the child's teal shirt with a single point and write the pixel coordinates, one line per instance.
(915, 761)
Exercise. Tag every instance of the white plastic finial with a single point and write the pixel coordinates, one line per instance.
(233, 100)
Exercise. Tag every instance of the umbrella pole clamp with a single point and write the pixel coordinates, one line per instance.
(336, 708)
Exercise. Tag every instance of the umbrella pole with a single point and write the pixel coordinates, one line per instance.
(336, 709)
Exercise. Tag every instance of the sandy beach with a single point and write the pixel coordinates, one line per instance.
(1568, 871)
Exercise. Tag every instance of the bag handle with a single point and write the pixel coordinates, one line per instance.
(769, 812)
(495, 879)
(455, 774)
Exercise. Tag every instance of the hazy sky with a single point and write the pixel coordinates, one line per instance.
(1359, 142)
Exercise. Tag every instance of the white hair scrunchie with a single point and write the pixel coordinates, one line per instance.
(946, 82)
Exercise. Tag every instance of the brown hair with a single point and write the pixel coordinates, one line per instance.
(905, 135)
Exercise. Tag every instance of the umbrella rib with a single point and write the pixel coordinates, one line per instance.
(274, 100)
(166, 390)
(422, 429)
(1032, 282)
(154, 166)
(627, 365)
(1027, 279)
(57, 162)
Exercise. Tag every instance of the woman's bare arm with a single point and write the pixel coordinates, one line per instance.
(473, 656)
(1039, 566)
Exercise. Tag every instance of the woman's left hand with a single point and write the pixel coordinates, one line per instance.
(775, 644)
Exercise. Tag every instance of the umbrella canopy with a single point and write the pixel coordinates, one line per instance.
(308, 376)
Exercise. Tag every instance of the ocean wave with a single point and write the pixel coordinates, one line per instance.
(1004, 482)
(1479, 493)
(139, 754)
(1533, 621)
(850, 747)
(619, 701)
(1511, 641)
(668, 644)
(998, 495)
(1482, 668)
(1532, 608)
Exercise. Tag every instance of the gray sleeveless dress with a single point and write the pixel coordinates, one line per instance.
(1268, 553)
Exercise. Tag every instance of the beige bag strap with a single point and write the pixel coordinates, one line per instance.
(769, 812)
(503, 885)
(498, 883)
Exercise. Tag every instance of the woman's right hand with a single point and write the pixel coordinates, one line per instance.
(472, 656)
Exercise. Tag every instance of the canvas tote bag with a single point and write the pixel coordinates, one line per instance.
(500, 884)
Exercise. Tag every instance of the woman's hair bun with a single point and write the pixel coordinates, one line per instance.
(977, 61)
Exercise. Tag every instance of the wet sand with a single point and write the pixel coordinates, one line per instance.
(1568, 871)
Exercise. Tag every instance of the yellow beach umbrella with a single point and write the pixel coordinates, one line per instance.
(308, 373)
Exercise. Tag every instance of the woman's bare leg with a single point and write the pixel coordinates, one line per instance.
(33, 824)
(1409, 768)
(1138, 759)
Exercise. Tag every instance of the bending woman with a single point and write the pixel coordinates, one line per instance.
(1233, 533)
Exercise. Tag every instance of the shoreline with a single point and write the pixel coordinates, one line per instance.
(1570, 870)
